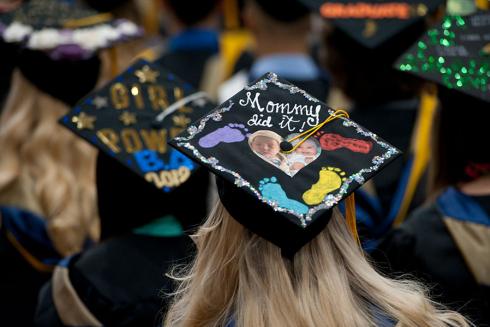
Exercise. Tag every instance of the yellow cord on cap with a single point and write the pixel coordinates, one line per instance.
(337, 114)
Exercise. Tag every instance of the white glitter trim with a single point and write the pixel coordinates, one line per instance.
(330, 200)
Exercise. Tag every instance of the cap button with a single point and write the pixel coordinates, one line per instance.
(286, 146)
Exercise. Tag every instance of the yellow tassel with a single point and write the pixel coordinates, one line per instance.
(232, 44)
(114, 63)
(231, 14)
(421, 149)
(151, 17)
(350, 217)
(482, 4)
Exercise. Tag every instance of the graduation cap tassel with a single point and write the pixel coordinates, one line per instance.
(287, 147)
(350, 217)
(151, 17)
(483, 4)
(113, 60)
(421, 145)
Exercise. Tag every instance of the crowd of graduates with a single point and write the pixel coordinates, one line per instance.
(248, 163)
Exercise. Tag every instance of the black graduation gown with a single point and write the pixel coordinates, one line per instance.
(431, 245)
(120, 282)
(395, 122)
(19, 286)
(7, 65)
(28, 258)
(187, 64)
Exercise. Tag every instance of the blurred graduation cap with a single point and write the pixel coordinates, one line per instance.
(373, 22)
(285, 11)
(284, 159)
(64, 28)
(133, 116)
(456, 54)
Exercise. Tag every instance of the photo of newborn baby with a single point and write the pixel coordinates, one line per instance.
(266, 144)
(305, 153)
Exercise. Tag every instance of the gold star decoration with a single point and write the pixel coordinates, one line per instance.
(99, 102)
(84, 121)
(127, 118)
(146, 74)
(181, 120)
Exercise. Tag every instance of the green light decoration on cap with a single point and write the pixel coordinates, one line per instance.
(459, 70)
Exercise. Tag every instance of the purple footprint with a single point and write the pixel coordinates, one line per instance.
(230, 133)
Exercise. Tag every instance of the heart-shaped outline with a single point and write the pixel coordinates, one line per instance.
(283, 161)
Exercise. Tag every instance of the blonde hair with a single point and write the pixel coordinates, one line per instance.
(45, 168)
(238, 275)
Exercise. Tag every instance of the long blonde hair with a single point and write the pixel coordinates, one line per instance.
(45, 168)
(238, 275)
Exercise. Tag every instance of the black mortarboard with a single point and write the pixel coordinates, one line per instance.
(455, 54)
(65, 29)
(65, 80)
(284, 10)
(373, 22)
(132, 117)
(106, 5)
(282, 195)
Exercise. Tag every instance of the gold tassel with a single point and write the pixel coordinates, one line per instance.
(421, 148)
(482, 4)
(114, 64)
(151, 17)
(231, 14)
(350, 217)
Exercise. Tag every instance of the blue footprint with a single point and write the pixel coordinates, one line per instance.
(230, 133)
(273, 191)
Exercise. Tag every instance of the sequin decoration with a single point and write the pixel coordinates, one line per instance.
(272, 78)
(453, 54)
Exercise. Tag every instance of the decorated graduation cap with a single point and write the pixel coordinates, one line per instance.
(133, 116)
(64, 28)
(373, 22)
(283, 159)
(455, 54)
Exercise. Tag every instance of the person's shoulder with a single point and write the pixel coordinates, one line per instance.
(100, 276)
(149, 250)
(421, 218)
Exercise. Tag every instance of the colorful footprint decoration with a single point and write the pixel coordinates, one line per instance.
(330, 180)
(230, 133)
(273, 191)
